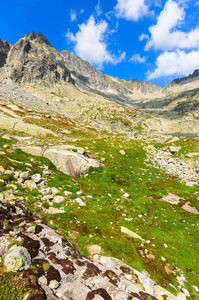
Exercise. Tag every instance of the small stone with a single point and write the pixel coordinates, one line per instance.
(54, 284)
(54, 190)
(150, 256)
(126, 195)
(79, 200)
(58, 199)
(163, 259)
(174, 150)
(36, 178)
(191, 183)
(94, 249)
(7, 172)
(30, 184)
(46, 173)
(79, 192)
(196, 288)
(67, 193)
(42, 280)
(24, 175)
(185, 291)
(2, 170)
(131, 233)
(122, 152)
(53, 211)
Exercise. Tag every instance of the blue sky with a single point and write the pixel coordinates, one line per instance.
(149, 40)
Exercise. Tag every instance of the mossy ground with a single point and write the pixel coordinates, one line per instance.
(12, 287)
(171, 232)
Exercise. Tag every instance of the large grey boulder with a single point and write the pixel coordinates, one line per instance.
(17, 259)
(70, 163)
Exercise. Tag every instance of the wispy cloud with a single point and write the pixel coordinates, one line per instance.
(90, 43)
(131, 9)
(136, 58)
(73, 15)
(175, 63)
(82, 10)
(98, 9)
(143, 37)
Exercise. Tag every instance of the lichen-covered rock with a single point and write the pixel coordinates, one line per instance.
(17, 259)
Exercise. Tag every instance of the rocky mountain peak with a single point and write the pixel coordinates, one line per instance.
(38, 37)
(33, 58)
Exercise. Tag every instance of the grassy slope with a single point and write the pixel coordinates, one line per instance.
(100, 221)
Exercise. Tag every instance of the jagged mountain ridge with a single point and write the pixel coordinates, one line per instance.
(61, 75)
(30, 62)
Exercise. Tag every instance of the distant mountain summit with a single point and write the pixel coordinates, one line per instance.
(187, 79)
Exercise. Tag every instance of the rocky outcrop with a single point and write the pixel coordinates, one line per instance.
(186, 170)
(4, 49)
(59, 271)
(9, 123)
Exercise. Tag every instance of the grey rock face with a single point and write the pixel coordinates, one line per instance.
(88, 76)
(32, 59)
(4, 49)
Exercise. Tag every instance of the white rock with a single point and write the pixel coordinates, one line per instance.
(58, 199)
(42, 280)
(126, 195)
(54, 284)
(122, 152)
(36, 178)
(131, 233)
(67, 193)
(79, 200)
(186, 292)
(53, 211)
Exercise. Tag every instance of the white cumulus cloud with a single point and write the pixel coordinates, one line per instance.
(166, 36)
(136, 58)
(131, 9)
(175, 63)
(90, 43)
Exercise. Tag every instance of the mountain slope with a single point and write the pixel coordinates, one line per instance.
(35, 74)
